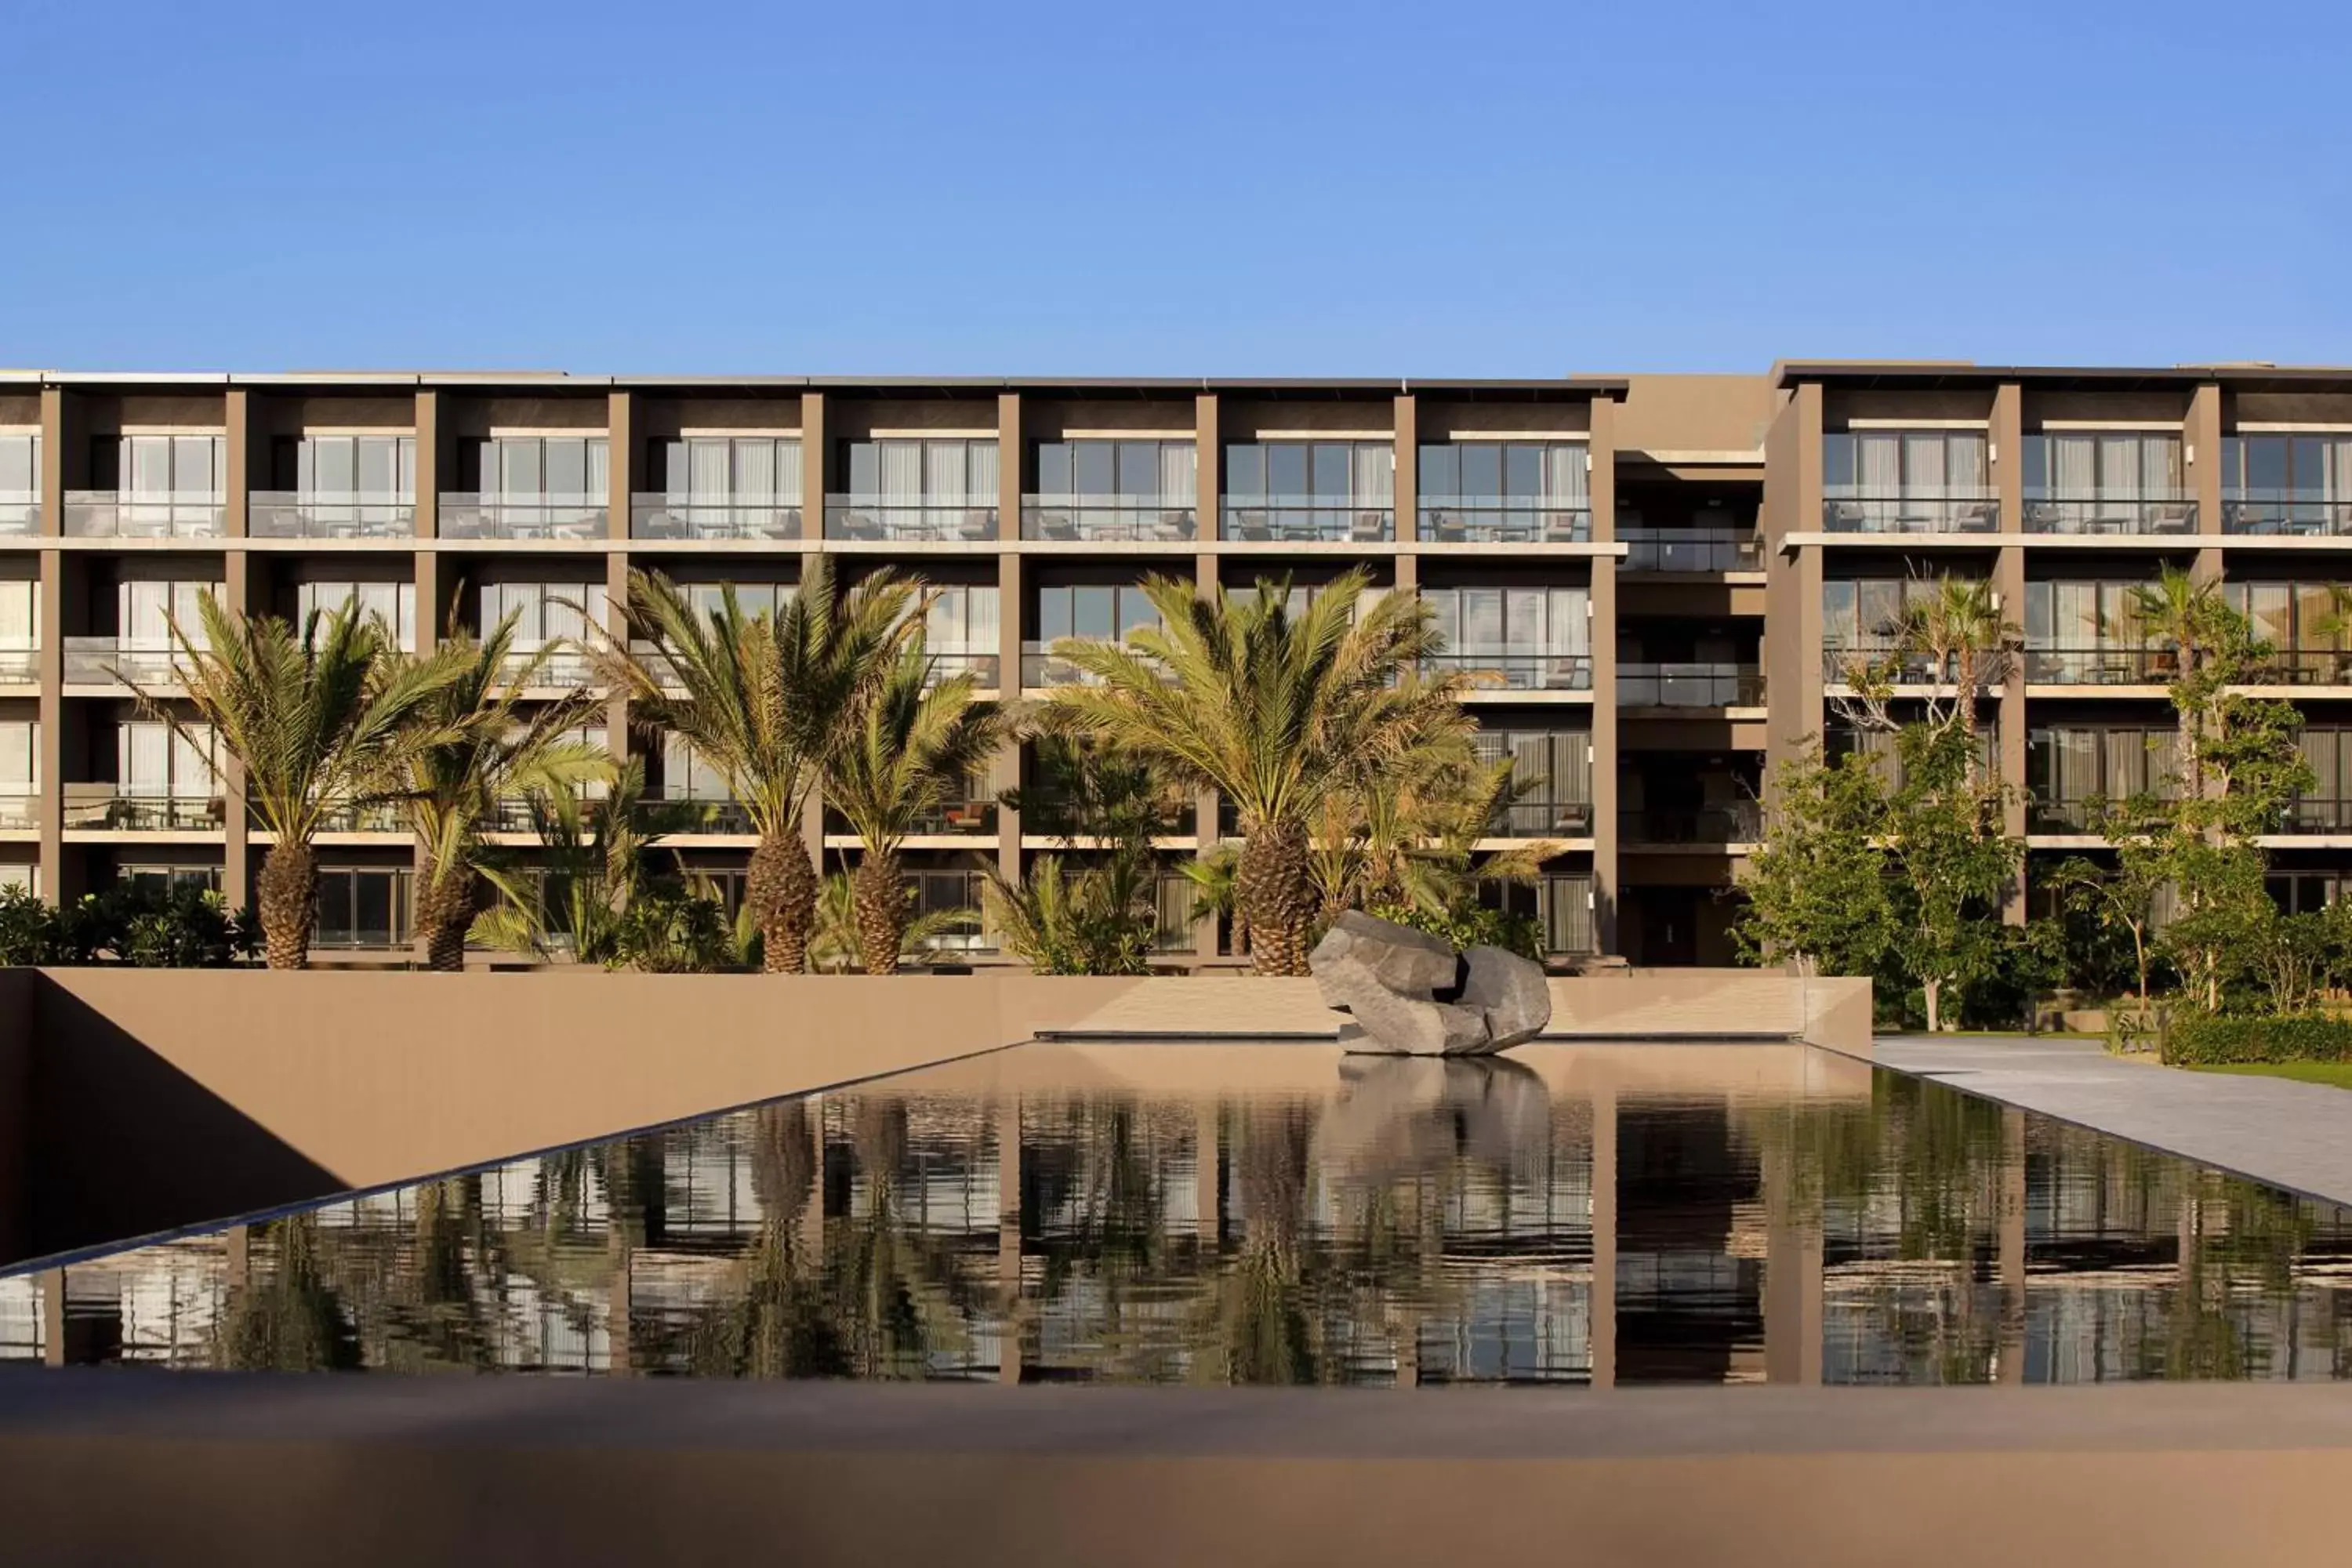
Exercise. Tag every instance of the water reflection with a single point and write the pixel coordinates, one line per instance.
(1569, 1216)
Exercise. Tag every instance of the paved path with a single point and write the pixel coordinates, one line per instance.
(2293, 1135)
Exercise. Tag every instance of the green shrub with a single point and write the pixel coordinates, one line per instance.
(1470, 925)
(2200, 1041)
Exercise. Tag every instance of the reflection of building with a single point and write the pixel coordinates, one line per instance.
(1623, 1215)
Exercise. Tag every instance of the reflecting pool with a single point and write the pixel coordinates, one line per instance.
(1572, 1215)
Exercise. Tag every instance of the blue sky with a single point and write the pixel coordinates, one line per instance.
(1424, 189)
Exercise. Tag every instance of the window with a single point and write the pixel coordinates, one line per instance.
(364, 906)
(173, 878)
(1893, 463)
(914, 489)
(2067, 768)
(147, 609)
(951, 892)
(1100, 611)
(1491, 489)
(338, 485)
(1561, 907)
(20, 617)
(20, 757)
(161, 468)
(554, 470)
(724, 486)
(21, 876)
(1310, 489)
(686, 774)
(2287, 484)
(544, 612)
(2088, 633)
(394, 603)
(963, 620)
(709, 600)
(2105, 481)
(154, 761)
(1115, 490)
(1534, 637)
(20, 481)
(1552, 770)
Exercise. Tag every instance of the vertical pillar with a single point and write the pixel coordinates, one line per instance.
(2200, 439)
(49, 764)
(429, 470)
(1604, 1312)
(236, 853)
(620, 461)
(2007, 440)
(1209, 466)
(1011, 454)
(1602, 454)
(816, 453)
(1011, 613)
(1408, 468)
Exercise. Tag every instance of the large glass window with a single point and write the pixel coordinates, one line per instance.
(20, 627)
(753, 599)
(526, 486)
(723, 487)
(2287, 483)
(20, 757)
(545, 612)
(146, 610)
(1552, 771)
(2305, 624)
(353, 485)
(1530, 638)
(1505, 490)
(1310, 489)
(917, 489)
(392, 603)
(2089, 634)
(164, 484)
(2105, 481)
(154, 760)
(1100, 611)
(364, 906)
(2069, 769)
(2327, 805)
(1906, 482)
(20, 481)
(1114, 490)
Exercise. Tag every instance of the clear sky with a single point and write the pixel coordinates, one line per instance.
(1186, 187)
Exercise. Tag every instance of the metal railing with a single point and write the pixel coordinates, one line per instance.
(1498, 519)
(1740, 822)
(1303, 519)
(20, 514)
(19, 811)
(2285, 512)
(19, 666)
(739, 517)
(101, 807)
(1518, 671)
(1910, 668)
(946, 664)
(1528, 817)
(974, 815)
(1092, 517)
(2172, 514)
(896, 517)
(1689, 686)
(118, 514)
(2302, 666)
(670, 814)
(1691, 550)
(2312, 814)
(1048, 815)
(1950, 511)
(291, 514)
(565, 668)
(1042, 667)
(2108, 666)
(95, 661)
(467, 514)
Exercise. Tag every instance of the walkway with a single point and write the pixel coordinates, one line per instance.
(2292, 1136)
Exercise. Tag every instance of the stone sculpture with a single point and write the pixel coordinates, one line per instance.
(1408, 993)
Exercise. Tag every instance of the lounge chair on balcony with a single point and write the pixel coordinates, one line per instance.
(2173, 516)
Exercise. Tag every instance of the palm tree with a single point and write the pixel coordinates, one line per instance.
(321, 722)
(768, 700)
(838, 945)
(592, 857)
(1280, 712)
(485, 755)
(911, 741)
(1961, 632)
(2211, 643)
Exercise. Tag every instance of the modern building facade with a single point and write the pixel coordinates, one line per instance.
(1651, 577)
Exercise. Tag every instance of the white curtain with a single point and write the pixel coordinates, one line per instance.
(19, 758)
(2336, 474)
(1878, 465)
(2074, 466)
(982, 488)
(1180, 474)
(1965, 463)
(707, 477)
(1566, 476)
(1926, 475)
(1375, 475)
(20, 614)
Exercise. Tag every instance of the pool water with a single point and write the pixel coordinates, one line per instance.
(1275, 1214)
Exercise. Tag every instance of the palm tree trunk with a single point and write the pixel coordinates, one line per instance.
(288, 893)
(444, 910)
(1275, 884)
(782, 891)
(881, 896)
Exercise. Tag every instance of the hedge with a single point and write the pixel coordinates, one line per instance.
(2200, 1041)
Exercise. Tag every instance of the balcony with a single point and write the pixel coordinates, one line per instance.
(2109, 666)
(20, 514)
(1946, 511)
(102, 807)
(1041, 667)
(2281, 667)
(1691, 550)
(563, 668)
(2286, 513)
(973, 816)
(1495, 520)
(377, 817)
(1740, 822)
(289, 514)
(19, 812)
(684, 815)
(1088, 519)
(2111, 515)
(1305, 519)
(874, 517)
(1907, 667)
(110, 662)
(112, 515)
(465, 514)
(1518, 671)
(1047, 814)
(1532, 818)
(1689, 686)
(737, 518)
(946, 664)
(2311, 814)
(19, 666)
(2083, 815)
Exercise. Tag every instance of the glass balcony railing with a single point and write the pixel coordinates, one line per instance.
(1045, 814)
(465, 514)
(1305, 520)
(2281, 667)
(1084, 518)
(1945, 512)
(289, 514)
(874, 517)
(19, 666)
(2312, 814)
(2102, 514)
(106, 808)
(100, 661)
(1528, 817)
(1689, 686)
(566, 667)
(118, 514)
(377, 817)
(975, 815)
(1518, 671)
(1500, 519)
(20, 514)
(1691, 550)
(1907, 667)
(946, 664)
(1041, 666)
(736, 517)
(686, 815)
(1740, 822)
(2111, 666)
(20, 810)
(2290, 513)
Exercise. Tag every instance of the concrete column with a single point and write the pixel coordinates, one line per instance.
(2008, 440)
(816, 460)
(428, 472)
(1012, 451)
(1209, 460)
(51, 743)
(1009, 620)
(621, 461)
(1794, 1318)
(1603, 1313)
(2010, 1247)
(616, 630)
(2201, 475)
(237, 852)
(1606, 891)
(1408, 469)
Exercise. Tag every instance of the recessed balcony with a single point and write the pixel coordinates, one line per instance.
(1849, 510)
(857, 516)
(2290, 514)
(465, 514)
(733, 518)
(1117, 519)
(133, 514)
(20, 810)
(946, 664)
(19, 666)
(20, 514)
(2095, 515)
(683, 815)
(1737, 822)
(1501, 520)
(1696, 685)
(112, 662)
(2100, 666)
(1691, 550)
(106, 808)
(1307, 520)
(1516, 671)
(316, 514)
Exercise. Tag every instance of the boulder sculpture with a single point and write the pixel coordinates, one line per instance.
(1407, 993)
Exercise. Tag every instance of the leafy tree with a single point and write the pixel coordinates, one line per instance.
(1949, 866)
(2127, 896)
(1817, 897)
(1095, 918)
(589, 868)
(837, 946)
(1277, 711)
(321, 720)
(769, 701)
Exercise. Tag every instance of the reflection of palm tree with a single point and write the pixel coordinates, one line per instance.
(1264, 1323)
(289, 1319)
